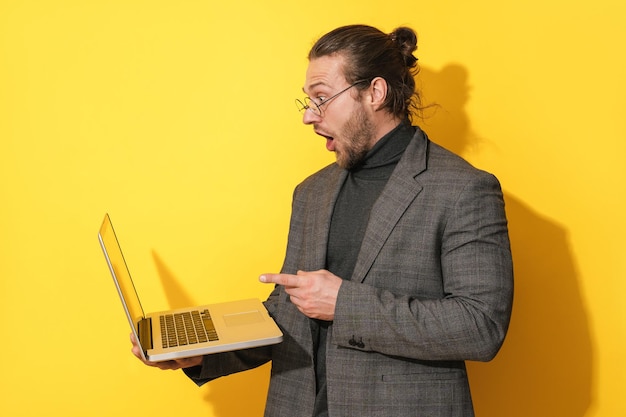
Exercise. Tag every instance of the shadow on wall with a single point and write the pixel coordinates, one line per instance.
(545, 366)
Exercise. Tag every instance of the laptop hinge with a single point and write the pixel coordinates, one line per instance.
(145, 333)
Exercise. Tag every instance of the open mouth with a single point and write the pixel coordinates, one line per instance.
(330, 144)
(330, 141)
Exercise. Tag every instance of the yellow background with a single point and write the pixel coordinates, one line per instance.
(177, 117)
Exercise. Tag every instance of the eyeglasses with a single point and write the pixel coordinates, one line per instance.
(309, 104)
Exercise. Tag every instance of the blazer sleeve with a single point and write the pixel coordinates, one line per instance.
(468, 320)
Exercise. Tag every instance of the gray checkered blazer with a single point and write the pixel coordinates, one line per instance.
(432, 287)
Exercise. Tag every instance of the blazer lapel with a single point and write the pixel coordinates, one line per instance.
(398, 194)
(322, 212)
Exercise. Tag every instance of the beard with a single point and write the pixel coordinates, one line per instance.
(358, 132)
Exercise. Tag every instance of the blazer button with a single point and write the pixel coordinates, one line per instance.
(359, 344)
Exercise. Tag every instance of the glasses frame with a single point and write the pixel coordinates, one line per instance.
(309, 104)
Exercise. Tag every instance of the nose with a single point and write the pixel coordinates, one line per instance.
(309, 118)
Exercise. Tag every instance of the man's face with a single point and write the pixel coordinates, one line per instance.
(344, 122)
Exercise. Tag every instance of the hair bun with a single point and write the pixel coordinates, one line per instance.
(406, 39)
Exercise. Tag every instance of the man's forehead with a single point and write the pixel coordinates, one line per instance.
(325, 71)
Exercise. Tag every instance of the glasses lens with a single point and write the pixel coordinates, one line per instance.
(311, 105)
(301, 106)
(308, 104)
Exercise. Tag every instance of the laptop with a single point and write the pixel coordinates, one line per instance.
(186, 332)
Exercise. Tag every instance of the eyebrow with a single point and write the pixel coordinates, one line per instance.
(314, 85)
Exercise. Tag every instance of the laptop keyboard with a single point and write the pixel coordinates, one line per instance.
(187, 328)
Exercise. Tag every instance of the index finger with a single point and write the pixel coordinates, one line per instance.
(286, 280)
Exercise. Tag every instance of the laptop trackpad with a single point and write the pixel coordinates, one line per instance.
(239, 319)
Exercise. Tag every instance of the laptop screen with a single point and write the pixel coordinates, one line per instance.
(118, 267)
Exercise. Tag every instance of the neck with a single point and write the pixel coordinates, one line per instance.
(384, 123)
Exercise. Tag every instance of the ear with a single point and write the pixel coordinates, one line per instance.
(378, 92)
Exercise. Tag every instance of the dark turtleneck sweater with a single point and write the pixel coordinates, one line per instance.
(360, 190)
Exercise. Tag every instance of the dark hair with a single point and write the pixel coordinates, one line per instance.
(370, 53)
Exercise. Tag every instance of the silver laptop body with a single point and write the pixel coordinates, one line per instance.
(186, 332)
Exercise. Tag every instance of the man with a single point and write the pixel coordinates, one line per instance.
(398, 266)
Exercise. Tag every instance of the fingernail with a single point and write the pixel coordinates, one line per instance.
(263, 278)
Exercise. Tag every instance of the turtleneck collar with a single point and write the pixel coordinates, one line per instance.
(386, 153)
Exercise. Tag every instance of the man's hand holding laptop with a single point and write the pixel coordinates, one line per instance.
(165, 365)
